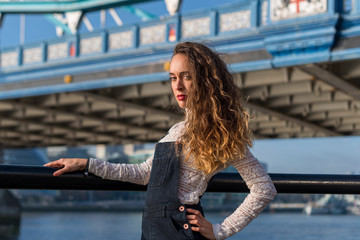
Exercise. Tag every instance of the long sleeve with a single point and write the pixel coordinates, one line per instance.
(262, 191)
(134, 173)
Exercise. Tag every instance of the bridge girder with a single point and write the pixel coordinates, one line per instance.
(63, 6)
(288, 103)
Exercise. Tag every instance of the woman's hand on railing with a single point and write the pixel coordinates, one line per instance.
(67, 165)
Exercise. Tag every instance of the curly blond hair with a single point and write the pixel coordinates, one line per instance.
(216, 126)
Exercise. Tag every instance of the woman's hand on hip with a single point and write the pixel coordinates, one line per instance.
(67, 165)
(201, 225)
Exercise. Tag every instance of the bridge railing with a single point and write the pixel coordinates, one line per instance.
(37, 177)
(209, 23)
(243, 20)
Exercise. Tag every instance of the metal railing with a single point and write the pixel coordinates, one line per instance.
(38, 177)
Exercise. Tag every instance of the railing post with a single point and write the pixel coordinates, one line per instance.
(1, 156)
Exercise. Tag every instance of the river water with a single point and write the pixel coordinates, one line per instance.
(126, 226)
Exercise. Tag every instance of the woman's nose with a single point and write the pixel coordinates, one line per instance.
(179, 85)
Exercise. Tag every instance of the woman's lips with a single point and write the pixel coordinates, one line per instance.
(180, 97)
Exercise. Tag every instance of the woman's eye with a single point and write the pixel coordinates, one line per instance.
(188, 77)
(172, 78)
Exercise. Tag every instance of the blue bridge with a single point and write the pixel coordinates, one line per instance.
(296, 61)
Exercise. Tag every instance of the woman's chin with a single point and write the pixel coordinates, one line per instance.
(182, 105)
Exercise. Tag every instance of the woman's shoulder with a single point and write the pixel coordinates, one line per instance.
(247, 156)
(177, 127)
(174, 133)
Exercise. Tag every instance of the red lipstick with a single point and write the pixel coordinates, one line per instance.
(181, 97)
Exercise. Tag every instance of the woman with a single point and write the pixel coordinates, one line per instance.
(214, 135)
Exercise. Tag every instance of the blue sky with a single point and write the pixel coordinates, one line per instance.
(333, 155)
(38, 28)
(336, 155)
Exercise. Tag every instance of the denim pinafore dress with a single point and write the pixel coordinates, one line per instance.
(164, 217)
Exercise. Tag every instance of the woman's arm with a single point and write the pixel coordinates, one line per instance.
(135, 173)
(262, 191)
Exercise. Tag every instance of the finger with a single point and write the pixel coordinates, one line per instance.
(54, 165)
(58, 166)
(190, 217)
(50, 164)
(195, 229)
(190, 210)
(194, 222)
(195, 212)
(60, 172)
(57, 163)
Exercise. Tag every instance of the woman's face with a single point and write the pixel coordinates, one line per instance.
(182, 75)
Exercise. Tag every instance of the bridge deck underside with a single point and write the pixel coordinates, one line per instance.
(315, 100)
